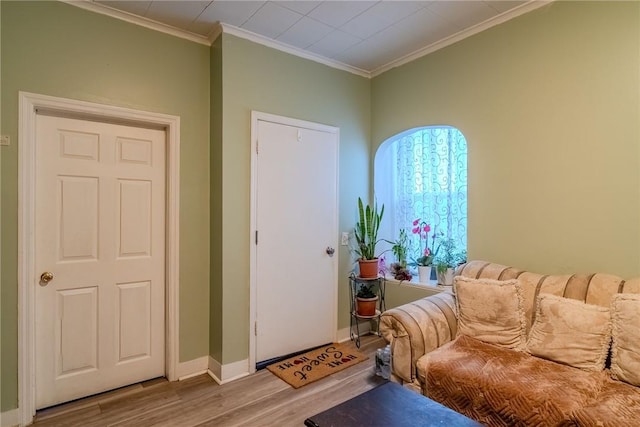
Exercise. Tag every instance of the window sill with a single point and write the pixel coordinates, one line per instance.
(432, 286)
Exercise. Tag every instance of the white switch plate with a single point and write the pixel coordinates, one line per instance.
(344, 239)
(4, 139)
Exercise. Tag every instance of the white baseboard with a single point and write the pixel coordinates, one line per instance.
(215, 370)
(10, 418)
(184, 370)
(223, 374)
(344, 333)
(192, 368)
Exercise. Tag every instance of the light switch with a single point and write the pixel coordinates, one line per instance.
(4, 139)
(344, 239)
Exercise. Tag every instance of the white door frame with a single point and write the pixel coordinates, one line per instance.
(253, 288)
(29, 105)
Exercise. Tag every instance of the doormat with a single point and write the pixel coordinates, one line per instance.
(308, 367)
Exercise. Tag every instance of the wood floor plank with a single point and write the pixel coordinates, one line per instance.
(56, 411)
(293, 406)
(199, 405)
(78, 417)
(260, 399)
(295, 413)
(147, 401)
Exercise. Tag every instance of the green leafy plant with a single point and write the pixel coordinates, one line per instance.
(366, 231)
(450, 257)
(400, 248)
(365, 291)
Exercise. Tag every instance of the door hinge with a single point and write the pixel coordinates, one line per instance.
(255, 328)
(257, 144)
(256, 237)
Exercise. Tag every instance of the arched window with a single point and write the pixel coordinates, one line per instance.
(422, 174)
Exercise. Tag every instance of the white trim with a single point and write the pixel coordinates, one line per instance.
(273, 118)
(467, 32)
(10, 418)
(213, 35)
(192, 368)
(215, 370)
(274, 44)
(223, 374)
(215, 32)
(139, 20)
(194, 374)
(255, 117)
(29, 104)
(430, 288)
(345, 335)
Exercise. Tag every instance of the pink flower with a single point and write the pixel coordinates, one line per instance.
(427, 228)
(416, 230)
(416, 222)
(427, 252)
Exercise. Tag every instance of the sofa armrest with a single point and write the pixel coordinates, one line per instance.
(417, 328)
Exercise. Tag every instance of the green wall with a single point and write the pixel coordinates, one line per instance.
(56, 49)
(400, 293)
(549, 103)
(215, 165)
(258, 78)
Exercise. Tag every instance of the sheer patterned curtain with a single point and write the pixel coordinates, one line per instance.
(428, 180)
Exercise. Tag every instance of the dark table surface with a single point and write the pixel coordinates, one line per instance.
(389, 405)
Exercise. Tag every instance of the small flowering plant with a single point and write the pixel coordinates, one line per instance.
(401, 247)
(422, 229)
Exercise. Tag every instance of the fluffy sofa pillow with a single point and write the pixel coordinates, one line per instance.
(625, 354)
(570, 332)
(491, 311)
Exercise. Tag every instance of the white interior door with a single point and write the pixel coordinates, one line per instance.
(296, 219)
(100, 232)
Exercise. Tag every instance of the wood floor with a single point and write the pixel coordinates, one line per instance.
(261, 399)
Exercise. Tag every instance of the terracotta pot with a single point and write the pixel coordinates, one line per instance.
(368, 268)
(366, 306)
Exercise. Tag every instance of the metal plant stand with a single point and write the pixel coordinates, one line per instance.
(378, 284)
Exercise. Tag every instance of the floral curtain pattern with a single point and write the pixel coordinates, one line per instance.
(429, 181)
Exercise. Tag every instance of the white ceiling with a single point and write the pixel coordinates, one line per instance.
(364, 36)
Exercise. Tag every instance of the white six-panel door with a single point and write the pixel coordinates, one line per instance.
(296, 220)
(100, 231)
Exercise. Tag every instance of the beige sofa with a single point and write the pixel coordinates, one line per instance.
(500, 386)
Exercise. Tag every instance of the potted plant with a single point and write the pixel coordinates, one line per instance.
(448, 260)
(399, 272)
(424, 262)
(366, 300)
(400, 249)
(366, 233)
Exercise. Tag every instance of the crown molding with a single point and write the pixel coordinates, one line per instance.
(220, 28)
(215, 32)
(468, 32)
(211, 37)
(274, 44)
(139, 20)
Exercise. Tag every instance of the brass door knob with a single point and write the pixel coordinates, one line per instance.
(46, 277)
